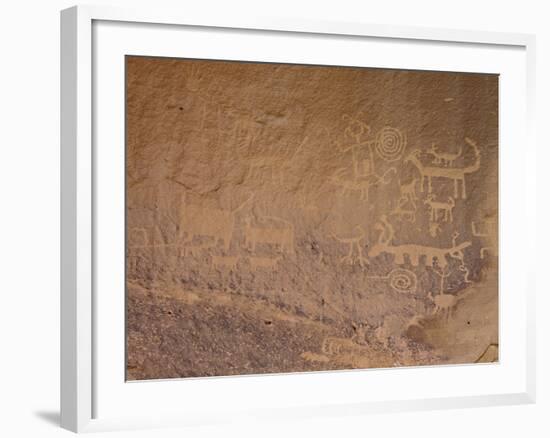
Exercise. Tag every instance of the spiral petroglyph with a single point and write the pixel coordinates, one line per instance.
(402, 280)
(390, 143)
(285, 218)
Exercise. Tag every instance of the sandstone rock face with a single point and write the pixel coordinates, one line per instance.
(285, 218)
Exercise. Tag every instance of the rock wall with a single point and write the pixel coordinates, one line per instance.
(286, 218)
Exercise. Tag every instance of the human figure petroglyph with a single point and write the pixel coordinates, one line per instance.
(203, 221)
(361, 185)
(466, 272)
(408, 191)
(389, 145)
(360, 333)
(455, 174)
(282, 237)
(489, 231)
(354, 242)
(408, 214)
(387, 232)
(414, 251)
(228, 262)
(443, 158)
(434, 228)
(436, 207)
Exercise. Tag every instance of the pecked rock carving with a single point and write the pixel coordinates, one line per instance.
(288, 218)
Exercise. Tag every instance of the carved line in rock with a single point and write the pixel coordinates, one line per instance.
(454, 174)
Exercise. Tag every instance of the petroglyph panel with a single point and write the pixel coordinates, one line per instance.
(287, 218)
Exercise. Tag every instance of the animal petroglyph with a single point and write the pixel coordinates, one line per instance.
(361, 184)
(282, 237)
(195, 249)
(454, 174)
(487, 229)
(444, 158)
(271, 227)
(354, 242)
(436, 207)
(415, 252)
(267, 263)
(202, 221)
(445, 303)
(228, 262)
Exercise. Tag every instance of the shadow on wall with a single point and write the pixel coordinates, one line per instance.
(51, 417)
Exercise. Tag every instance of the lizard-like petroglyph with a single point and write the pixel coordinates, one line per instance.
(414, 251)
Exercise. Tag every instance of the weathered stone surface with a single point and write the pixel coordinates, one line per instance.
(285, 218)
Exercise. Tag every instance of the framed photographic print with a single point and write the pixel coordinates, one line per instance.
(252, 209)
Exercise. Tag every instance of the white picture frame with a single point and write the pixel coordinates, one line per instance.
(93, 39)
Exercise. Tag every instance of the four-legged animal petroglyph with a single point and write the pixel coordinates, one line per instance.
(229, 262)
(444, 158)
(282, 237)
(415, 252)
(436, 206)
(354, 242)
(203, 221)
(360, 184)
(267, 263)
(455, 174)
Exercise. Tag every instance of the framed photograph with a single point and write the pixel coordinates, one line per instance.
(286, 218)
